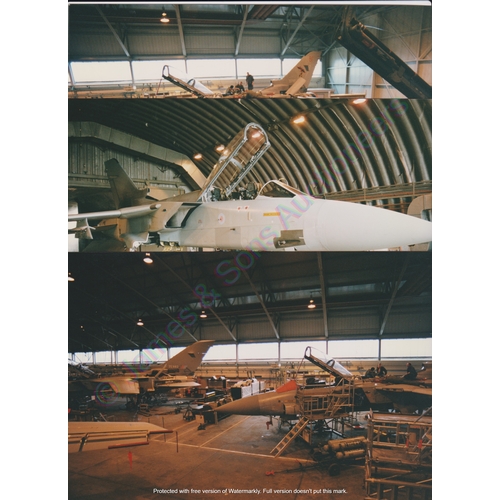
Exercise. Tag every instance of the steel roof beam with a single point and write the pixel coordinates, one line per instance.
(257, 294)
(210, 307)
(115, 34)
(393, 297)
(323, 293)
(296, 30)
(181, 30)
(242, 27)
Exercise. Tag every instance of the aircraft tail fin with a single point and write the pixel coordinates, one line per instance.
(299, 77)
(187, 361)
(125, 193)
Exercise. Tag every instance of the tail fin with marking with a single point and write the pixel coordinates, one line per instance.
(186, 362)
(297, 79)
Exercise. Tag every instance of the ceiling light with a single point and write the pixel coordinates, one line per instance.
(139, 322)
(198, 156)
(203, 314)
(220, 148)
(70, 278)
(299, 119)
(164, 18)
(148, 259)
(311, 305)
(359, 101)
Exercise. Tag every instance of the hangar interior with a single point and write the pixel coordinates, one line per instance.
(142, 312)
(135, 44)
(377, 153)
(130, 313)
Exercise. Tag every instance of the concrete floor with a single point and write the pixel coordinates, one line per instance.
(233, 454)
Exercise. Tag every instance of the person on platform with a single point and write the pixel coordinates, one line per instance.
(411, 373)
(249, 81)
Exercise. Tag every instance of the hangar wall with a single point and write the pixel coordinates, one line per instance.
(412, 42)
(366, 324)
(86, 168)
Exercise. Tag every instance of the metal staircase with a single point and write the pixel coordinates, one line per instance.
(292, 434)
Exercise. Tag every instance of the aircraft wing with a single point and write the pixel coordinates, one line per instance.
(407, 398)
(88, 436)
(405, 388)
(109, 385)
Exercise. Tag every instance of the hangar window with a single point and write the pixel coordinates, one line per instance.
(259, 67)
(155, 355)
(128, 356)
(407, 348)
(97, 72)
(268, 350)
(208, 68)
(151, 71)
(348, 349)
(103, 357)
(175, 350)
(81, 357)
(221, 352)
(295, 350)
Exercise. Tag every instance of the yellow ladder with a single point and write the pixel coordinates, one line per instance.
(292, 434)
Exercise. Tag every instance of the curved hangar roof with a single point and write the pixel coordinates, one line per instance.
(376, 152)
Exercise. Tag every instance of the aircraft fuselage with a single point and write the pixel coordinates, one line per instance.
(301, 222)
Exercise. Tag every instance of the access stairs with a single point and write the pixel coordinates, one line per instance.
(288, 439)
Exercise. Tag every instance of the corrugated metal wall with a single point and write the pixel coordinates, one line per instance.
(86, 167)
(359, 323)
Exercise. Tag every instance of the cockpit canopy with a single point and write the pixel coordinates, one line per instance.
(278, 189)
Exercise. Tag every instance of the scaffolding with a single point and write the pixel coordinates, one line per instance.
(398, 462)
(321, 403)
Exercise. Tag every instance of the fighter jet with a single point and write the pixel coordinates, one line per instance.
(402, 394)
(225, 215)
(293, 84)
(346, 395)
(173, 374)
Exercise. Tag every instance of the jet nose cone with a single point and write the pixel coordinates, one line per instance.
(246, 406)
(344, 226)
